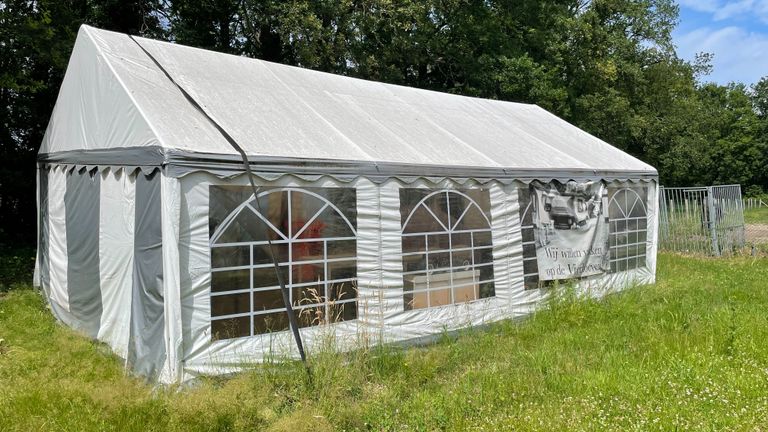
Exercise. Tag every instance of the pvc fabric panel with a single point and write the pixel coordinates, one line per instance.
(81, 202)
(147, 343)
(382, 313)
(42, 268)
(653, 231)
(344, 118)
(57, 235)
(94, 109)
(171, 201)
(400, 323)
(116, 94)
(202, 352)
(116, 247)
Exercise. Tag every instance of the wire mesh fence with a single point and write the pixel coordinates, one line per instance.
(704, 220)
(756, 224)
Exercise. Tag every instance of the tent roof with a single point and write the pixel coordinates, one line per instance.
(116, 96)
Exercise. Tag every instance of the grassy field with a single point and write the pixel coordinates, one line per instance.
(689, 353)
(756, 215)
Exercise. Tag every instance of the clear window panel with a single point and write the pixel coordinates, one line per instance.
(343, 311)
(438, 242)
(303, 273)
(270, 322)
(266, 276)
(461, 240)
(417, 243)
(473, 220)
(342, 249)
(262, 254)
(461, 259)
(309, 295)
(231, 304)
(528, 235)
(341, 291)
(439, 261)
(487, 289)
(268, 299)
(230, 280)
(423, 221)
(530, 266)
(342, 270)
(413, 263)
(230, 328)
(457, 223)
(482, 238)
(230, 256)
(311, 230)
(628, 227)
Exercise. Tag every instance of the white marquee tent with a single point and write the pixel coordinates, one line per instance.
(394, 213)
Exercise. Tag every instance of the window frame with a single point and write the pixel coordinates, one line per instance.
(614, 234)
(448, 231)
(289, 240)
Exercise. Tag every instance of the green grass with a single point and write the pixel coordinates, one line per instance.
(689, 353)
(756, 215)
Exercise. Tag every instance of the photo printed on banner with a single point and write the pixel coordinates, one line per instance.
(570, 228)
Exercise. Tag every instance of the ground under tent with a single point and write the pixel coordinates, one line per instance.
(395, 213)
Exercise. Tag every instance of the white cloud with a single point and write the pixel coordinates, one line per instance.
(740, 55)
(723, 10)
(734, 9)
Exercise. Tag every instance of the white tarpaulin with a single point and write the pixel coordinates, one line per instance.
(392, 213)
(114, 96)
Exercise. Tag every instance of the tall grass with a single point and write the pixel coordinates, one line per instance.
(756, 215)
(689, 353)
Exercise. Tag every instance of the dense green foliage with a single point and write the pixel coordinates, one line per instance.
(16, 267)
(608, 66)
(688, 353)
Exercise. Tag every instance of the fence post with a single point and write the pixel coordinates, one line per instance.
(711, 221)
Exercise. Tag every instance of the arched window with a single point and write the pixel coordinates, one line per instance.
(447, 246)
(313, 231)
(628, 228)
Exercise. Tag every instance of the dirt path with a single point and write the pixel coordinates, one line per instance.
(756, 233)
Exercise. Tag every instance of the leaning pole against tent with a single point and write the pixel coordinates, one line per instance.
(201, 212)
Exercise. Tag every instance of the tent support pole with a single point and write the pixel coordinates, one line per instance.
(246, 164)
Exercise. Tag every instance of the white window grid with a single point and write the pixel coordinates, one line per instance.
(534, 257)
(450, 231)
(626, 200)
(288, 241)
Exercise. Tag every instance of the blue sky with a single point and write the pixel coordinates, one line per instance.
(736, 32)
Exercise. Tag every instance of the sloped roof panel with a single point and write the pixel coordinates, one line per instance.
(278, 111)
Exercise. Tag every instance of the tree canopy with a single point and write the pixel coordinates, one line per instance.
(608, 66)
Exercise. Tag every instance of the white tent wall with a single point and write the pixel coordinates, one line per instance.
(102, 261)
(149, 295)
(116, 234)
(94, 109)
(171, 220)
(57, 239)
(201, 355)
(382, 317)
(402, 324)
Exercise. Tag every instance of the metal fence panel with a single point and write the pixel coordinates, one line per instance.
(704, 220)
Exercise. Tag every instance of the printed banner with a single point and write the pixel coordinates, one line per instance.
(570, 229)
